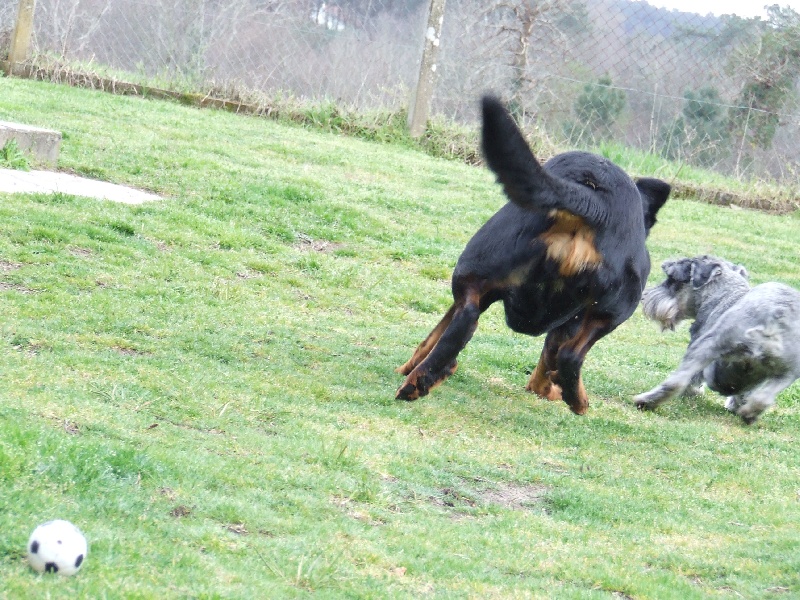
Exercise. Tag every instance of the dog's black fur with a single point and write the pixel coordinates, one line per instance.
(566, 257)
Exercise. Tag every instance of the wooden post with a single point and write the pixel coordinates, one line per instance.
(420, 106)
(21, 38)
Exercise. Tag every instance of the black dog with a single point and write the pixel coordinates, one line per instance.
(566, 256)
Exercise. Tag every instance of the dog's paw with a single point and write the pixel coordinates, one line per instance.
(732, 404)
(750, 412)
(659, 394)
(749, 419)
(548, 391)
(579, 406)
(648, 400)
(408, 391)
(413, 388)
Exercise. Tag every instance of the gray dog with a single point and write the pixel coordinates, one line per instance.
(744, 342)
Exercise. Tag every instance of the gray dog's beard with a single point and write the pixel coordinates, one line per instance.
(659, 306)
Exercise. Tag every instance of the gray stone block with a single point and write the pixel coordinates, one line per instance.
(42, 144)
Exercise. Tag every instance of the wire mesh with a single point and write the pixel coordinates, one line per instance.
(716, 92)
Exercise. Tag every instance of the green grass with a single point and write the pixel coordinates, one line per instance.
(205, 386)
(442, 138)
(11, 157)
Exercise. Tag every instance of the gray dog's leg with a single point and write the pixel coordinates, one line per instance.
(696, 386)
(761, 397)
(698, 356)
(734, 403)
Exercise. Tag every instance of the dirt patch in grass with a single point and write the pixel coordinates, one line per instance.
(452, 498)
(514, 496)
(506, 495)
(305, 242)
(180, 511)
(71, 428)
(237, 528)
(7, 287)
(6, 266)
(128, 351)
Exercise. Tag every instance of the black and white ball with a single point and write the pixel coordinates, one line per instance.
(57, 547)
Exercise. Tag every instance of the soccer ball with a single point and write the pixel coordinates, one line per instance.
(57, 547)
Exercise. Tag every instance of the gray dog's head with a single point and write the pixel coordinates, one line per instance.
(690, 283)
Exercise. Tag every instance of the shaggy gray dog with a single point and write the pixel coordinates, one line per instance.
(744, 342)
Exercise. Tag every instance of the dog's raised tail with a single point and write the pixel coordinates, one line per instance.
(507, 154)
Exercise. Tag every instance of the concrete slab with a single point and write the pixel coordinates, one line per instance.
(47, 182)
(43, 144)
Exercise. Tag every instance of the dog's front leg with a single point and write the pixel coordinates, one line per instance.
(542, 380)
(659, 394)
(698, 356)
(672, 386)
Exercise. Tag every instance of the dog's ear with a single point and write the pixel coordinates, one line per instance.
(654, 193)
(703, 272)
(678, 270)
(741, 271)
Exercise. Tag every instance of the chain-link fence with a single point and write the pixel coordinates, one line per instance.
(716, 92)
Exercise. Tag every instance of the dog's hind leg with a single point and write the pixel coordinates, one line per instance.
(422, 351)
(440, 361)
(570, 357)
(760, 398)
(540, 382)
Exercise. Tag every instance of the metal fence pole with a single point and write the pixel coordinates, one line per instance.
(420, 105)
(21, 38)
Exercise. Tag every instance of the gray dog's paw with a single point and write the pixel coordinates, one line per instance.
(748, 418)
(659, 394)
(648, 400)
(733, 403)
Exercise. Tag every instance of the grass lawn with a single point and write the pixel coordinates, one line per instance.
(205, 386)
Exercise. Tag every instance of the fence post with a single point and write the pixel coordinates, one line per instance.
(420, 105)
(21, 38)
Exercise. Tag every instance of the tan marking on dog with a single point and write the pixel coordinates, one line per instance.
(541, 385)
(570, 242)
(422, 351)
(516, 278)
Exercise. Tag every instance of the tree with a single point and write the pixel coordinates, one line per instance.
(699, 135)
(525, 24)
(68, 27)
(596, 110)
(771, 67)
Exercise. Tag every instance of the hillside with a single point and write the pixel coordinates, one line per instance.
(205, 385)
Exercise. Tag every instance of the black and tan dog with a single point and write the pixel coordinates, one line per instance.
(566, 256)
